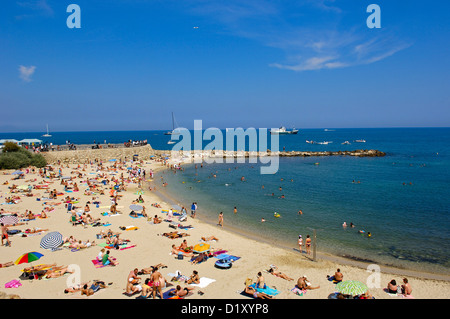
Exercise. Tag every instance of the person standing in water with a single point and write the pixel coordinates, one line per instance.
(221, 219)
(300, 243)
(308, 245)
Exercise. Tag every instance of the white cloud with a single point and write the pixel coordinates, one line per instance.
(25, 72)
(325, 43)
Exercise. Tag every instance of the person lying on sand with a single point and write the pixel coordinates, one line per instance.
(75, 288)
(176, 251)
(96, 285)
(149, 270)
(7, 264)
(210, 238)
(38, 267)
(182, 292)
(175, 234)
(260, 295)
(52, 273)
(274, 271)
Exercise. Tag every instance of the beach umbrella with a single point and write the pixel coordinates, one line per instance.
(51, 240)
(112, 160)
(9, 220)
(135, 207)
(351, 287)
(17, 173)
(201, 248)
(28, 258)
(140, 193)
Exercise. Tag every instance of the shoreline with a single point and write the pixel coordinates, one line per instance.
(146, 150)
(347, 260)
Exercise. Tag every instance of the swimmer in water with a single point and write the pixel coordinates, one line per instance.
(262, 220)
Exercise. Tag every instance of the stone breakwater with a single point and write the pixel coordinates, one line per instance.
(103, 154)
(144, 153)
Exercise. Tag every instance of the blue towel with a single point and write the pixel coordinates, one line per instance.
(266, 290)
(227, 257)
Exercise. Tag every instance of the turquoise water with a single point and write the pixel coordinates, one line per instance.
(409, 223)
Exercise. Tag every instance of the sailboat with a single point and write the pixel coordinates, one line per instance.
(173, 132)
(47, 134)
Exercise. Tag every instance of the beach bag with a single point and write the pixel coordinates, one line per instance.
(180, 256)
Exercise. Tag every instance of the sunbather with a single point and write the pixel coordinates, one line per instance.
(52, 273)
(210, 238)
(182, 292)
(252, 292)
(201, 257)
(274, 271)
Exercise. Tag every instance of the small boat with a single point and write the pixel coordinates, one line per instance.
(282, 131)
(171, 142)
(173, 132)
(47, 134)
(310, 142)
(360, 141)
(346, 143)
(324, 142)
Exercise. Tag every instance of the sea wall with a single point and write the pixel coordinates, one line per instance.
(103, 154)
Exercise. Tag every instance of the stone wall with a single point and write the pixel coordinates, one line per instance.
(104, 154)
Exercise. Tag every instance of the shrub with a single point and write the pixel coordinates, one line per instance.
(21, 158)
(14, 160)
(38, 160)
(10, 147)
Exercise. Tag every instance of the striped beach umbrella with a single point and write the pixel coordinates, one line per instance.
(9, 220)
(51, 240)
(351, 287)
(28, 258)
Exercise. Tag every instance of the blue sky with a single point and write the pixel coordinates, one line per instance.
(255, 63)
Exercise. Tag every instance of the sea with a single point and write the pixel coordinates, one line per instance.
(402, 199)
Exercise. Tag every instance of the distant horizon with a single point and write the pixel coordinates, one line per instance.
(300, 129)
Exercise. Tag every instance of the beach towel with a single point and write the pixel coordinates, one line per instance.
(129, 228)
(98, 264)
(267, 290)
(216, 253)
(121, 247)
(13, 284)
(204, 282)
(297, 291)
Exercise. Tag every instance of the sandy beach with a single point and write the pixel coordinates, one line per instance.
(147, 245)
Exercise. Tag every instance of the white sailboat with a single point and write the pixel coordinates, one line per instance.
(47, 134)
(173, 132)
